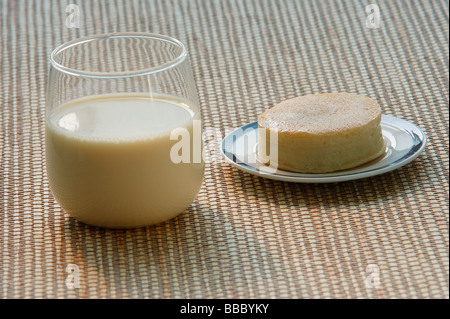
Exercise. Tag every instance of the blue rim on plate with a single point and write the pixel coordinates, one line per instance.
(404, 142)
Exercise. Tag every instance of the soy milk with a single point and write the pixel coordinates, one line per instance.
(109, 163)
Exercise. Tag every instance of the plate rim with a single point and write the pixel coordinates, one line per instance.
(388, 119)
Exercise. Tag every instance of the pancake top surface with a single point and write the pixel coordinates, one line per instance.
(321, 113)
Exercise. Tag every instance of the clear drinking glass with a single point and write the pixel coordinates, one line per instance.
(123, 133)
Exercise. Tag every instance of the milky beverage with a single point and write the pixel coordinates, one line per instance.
(109, 163)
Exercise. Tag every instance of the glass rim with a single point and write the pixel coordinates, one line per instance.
(140, 72)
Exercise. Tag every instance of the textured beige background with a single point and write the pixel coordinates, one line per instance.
(244, 236)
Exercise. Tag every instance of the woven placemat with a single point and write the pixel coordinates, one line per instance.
(244, 236)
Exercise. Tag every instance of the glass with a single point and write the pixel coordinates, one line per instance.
(123, 133)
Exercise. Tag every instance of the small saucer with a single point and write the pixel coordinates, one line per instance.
(404, 142)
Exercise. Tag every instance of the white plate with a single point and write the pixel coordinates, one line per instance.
(404, 142)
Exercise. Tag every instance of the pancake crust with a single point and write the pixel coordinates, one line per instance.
(321, 133)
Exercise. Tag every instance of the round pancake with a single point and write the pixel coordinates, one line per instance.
(321, 133)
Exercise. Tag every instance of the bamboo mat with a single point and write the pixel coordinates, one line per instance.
(244, 236)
